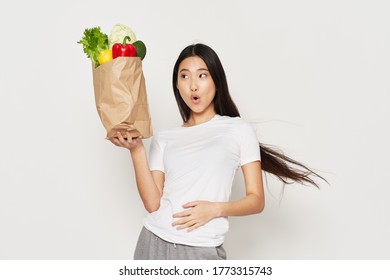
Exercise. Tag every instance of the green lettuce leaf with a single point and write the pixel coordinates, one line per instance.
(94, 41)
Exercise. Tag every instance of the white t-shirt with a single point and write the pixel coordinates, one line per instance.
(199, 163)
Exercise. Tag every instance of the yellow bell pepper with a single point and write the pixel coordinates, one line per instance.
(105, 56)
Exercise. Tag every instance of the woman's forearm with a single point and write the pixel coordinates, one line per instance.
(253, 202)
(198, 213)
(250, 204)
(149, 192)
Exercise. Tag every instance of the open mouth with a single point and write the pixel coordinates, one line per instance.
(195, 98)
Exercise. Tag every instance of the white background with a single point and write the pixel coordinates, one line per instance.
(312, 77)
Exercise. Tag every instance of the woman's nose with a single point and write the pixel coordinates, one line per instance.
(194, 87)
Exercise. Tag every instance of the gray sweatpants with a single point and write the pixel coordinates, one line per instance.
(152, 247)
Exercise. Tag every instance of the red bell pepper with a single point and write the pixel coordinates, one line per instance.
(124, 49)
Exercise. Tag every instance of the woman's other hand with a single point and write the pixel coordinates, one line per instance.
(197, 214)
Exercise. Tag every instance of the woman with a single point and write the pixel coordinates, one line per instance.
(186, 184)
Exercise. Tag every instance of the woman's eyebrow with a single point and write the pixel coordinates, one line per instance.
(200, 69)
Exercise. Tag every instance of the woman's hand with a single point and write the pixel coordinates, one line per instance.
(124, 140)
(198, 214)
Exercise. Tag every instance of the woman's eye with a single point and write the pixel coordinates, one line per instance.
(183, 76)
(203, 75)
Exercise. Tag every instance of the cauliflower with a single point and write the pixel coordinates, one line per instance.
(119, 32)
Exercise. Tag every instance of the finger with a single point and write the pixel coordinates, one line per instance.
(196, 225)
(119, 136)
(190, 204)
(128, 137)
(138, 139)
(123, 140)
(182, 214)
(187, 225)
(115, 141)
(183, 220)
(180, 222)
(193, 227)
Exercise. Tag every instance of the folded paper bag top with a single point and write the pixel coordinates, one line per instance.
(120, 96)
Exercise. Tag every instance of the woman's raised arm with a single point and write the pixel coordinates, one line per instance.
(149, 183)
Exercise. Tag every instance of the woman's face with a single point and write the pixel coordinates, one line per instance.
(196, 86)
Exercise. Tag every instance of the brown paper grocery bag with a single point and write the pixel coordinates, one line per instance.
(120, 95)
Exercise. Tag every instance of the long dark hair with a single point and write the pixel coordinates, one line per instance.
(275, 162)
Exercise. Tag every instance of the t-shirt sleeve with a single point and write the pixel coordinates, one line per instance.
(156, 155)
(249, 146)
